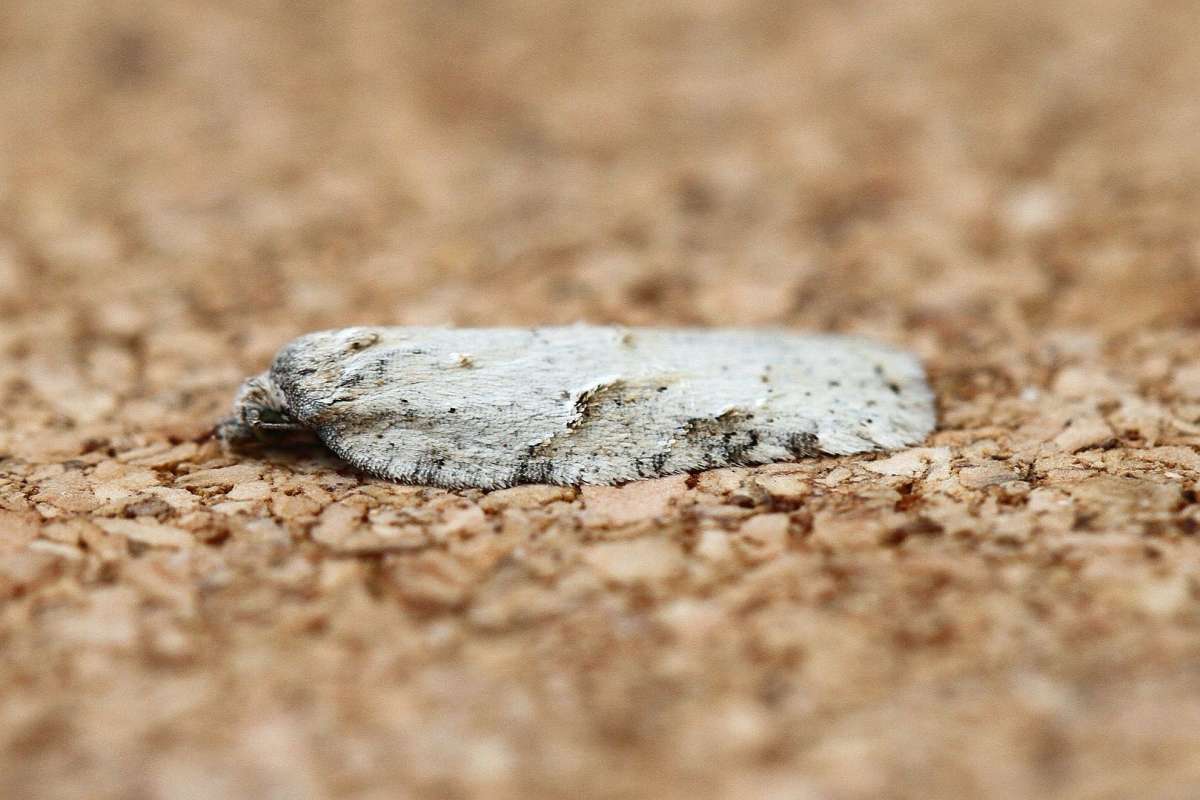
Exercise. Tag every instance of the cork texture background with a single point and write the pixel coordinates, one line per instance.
(1012, 190)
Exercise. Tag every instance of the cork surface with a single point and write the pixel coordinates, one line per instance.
(1010, 610)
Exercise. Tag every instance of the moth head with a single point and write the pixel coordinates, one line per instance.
(260, 414)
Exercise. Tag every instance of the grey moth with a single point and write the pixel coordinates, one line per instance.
(495, 407)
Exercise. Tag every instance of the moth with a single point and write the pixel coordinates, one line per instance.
(495, 407)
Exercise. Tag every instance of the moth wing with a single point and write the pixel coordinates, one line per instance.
(495, 407)
(441, 406)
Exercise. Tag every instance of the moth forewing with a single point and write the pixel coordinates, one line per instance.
(495, 407)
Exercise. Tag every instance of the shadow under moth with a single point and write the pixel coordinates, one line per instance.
(495, 407)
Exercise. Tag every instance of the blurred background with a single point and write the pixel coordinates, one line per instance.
(1011, 189)
(187, 184)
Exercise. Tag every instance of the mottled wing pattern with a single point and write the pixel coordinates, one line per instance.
(580, 404)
